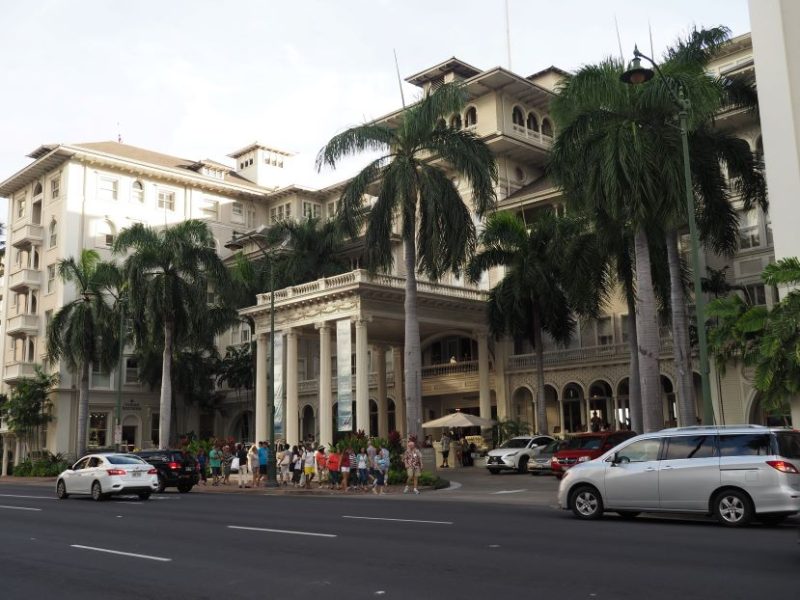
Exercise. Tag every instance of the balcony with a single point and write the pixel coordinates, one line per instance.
(579, 356)
(18, 370)
(27, 234)
(24, 278)
(520, 131)
(23, 325)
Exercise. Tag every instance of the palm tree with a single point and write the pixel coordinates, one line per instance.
(552, 272)
(170, 273)
(413, 181)
(83, 332)
(317, 250)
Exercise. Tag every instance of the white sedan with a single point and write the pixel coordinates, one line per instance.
(104, 475)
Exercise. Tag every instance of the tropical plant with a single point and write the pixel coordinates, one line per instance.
(552, 273)
(83, 332)
(27, 409)
(236, 368)
(170, 273)
(413, 179)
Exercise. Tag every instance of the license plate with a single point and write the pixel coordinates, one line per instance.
(189, 469)
(136, 473)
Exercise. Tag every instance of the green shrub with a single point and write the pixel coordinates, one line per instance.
(47, 466)
(426, 479)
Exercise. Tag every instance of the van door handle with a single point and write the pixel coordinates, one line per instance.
(667, 467)
(650, 469)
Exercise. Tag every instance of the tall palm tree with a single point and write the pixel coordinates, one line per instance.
(413, 181)
(83, 332)
(170, 273)
(552, 273)
(317, 250)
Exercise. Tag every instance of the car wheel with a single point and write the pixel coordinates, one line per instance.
(97, 492)
(183, 488)
(523, 464)
(494, 471)
(771, 520)
(732, 508)
(61, 490)
(586, 503)
(628, 514)
(162, 485)
(144, 496)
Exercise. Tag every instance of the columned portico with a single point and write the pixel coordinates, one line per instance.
(325, 393)
(292, 415)
(362, 376)
(484, 394)
(383, 404)
(261, 387)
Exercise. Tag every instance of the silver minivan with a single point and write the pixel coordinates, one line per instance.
(735, 473)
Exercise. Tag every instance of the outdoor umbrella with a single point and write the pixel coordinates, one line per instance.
(459, 419)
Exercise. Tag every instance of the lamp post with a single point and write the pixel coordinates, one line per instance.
(635, 75)
(120, 370)
(238, 244)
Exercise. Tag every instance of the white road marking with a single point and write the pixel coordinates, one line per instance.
(22, 496)
(131, 554)
(287, 531)
(20, 508)
(398, 520)
(509, 492)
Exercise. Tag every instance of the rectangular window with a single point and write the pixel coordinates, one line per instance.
(755, 444)
(237, 212)
(98, 429)
(166, 200)
(235, 335)
(605, 331)
(311, 210)
(154, 421)
(108, 188)
(21, 207)
(109, 239)
(53, 234)
(55, 188)
(100, 379)
(749, 236)
(131, 370)
(51, 278)
(137, 192)
(756, 294)
(624, 327)
(210, 209)
(244, 334)
(768, 229)
(690, 446)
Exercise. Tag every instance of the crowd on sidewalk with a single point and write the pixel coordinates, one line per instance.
(306, 466)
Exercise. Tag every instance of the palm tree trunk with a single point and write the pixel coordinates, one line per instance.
(634, 385)
(541, 404)
(680, 335)
(165, 408)
(83, 410)
(412, 351)
(648, 338)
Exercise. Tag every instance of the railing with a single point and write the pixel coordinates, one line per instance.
(361, 276)
(22, 322)
(571, 355)
(311, 386)
(456, 368)
(532, 134)
(24, 277)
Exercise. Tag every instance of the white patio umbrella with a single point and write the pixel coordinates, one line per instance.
(459, 419)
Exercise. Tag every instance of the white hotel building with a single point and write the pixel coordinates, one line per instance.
(78, 196)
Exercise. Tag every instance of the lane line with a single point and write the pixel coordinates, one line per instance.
(398, 520)
(508, 492)
(19, 508)
(287, 531)
(23, 496)
(119, 553)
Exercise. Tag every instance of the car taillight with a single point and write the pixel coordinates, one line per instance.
(174, 466)
(783, 466)
(152, 472)
(116, 471)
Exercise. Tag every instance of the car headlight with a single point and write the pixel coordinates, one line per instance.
(584, 459)
(511, 455)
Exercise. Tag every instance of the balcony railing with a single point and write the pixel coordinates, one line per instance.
(24, 278)
(17, 370)
(456, 368)
(554, 358)
(26, 233)
(524, 132)
(23, 323)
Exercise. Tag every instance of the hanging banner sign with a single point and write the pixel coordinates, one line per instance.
(278, 383)
(344, 376)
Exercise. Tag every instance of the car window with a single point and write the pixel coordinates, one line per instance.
(81, 464)
(583, 443)
(749, 444)
(516, 443)
(124, 460)
(690, 446)
(551, 448)
(788, 444)
(541, 441)
(94, 462)
(640, 451)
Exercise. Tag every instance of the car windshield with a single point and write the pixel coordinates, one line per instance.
(121, 459)
(551, 448)
(582, 443)
(516, 443)
(788, 444)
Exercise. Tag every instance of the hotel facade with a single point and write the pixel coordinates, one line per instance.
(75, 196)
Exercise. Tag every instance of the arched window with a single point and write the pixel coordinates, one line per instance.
(137, 192)
(455, 122)
(533, 122)
(37, 190)
(471, 117)
(106, 233)
(547, 128)
(53, 234)
(518, 117)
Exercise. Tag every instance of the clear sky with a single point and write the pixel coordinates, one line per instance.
(201, 78)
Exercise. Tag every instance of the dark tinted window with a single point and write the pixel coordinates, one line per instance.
(788, 444)
(583, 443)
(748, 444)
(124, 460)
(690, 446)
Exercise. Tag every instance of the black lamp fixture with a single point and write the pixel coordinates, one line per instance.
(636, 74)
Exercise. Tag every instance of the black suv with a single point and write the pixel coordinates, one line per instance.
(176, 468)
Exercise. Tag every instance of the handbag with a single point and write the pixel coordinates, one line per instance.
(235, 463)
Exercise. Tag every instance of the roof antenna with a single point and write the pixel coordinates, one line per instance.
(508, 35)
(119, 134)
(399, 80)
(619, 41)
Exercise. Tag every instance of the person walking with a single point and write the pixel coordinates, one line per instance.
(412, 459)
(215, 461)
(309, 466)
(383, 461)
(445, 442)
(263, 457)
(252, 462)
(322, 462)
(202, 463)
(372, 453)
(362, 464)
(297, 460)
(286, 463)
(241, 456)
(345, 468)
(227, 459)
(334, 464)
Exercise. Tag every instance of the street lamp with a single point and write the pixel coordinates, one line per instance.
(122, 301)
(237, 244)
(635, 75)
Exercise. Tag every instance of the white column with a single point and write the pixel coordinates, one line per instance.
(17, 451)
(383, 404)
(325, 395)
(614, 420)
(292, 416)
(561, 415)
(399, 391)
(501, 391)
(262, 368)
(362, 376)
(6, 450)
(484, 396)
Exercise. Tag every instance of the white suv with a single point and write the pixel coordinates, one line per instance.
(734, 473)
(515, 453)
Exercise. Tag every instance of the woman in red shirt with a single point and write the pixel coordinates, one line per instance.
(334, 463)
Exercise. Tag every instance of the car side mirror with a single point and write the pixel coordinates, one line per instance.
(614, 459)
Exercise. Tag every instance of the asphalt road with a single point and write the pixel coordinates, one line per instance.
(203, 545)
